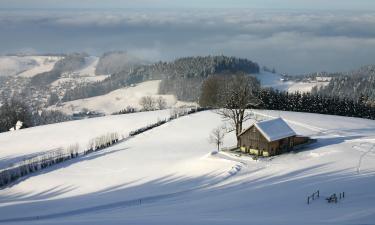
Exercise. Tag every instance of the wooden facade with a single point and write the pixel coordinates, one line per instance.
(252, 141)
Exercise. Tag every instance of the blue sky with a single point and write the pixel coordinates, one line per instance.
(268, 4)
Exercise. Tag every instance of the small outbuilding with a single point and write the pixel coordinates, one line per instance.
(268, 138)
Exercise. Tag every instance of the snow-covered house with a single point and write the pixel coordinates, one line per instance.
(268, 138)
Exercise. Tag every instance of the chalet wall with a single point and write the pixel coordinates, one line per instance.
(253, 142)
(252, 138)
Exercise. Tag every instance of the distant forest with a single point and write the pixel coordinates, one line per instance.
(352, 85)
(316, 103)
(182, 77)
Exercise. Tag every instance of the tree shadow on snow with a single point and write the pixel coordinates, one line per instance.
(66, 164)
(178, 192)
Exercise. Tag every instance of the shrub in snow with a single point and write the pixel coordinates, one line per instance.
(161, 103)
(147, 103)
(101, 142)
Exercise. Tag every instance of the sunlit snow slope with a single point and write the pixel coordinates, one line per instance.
(120, 99)
(26, 66)
(25, 143)
(168, 176)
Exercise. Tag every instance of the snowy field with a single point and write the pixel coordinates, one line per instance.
(273, 80)
(119, 99)
(43, 138)
(168, 176)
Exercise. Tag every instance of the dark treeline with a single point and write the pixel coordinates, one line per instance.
(14, 110)
(316, 103)
(271, 99)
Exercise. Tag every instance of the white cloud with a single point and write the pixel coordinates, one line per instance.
(291, 41)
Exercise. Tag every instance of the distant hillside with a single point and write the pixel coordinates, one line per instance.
(115, 62)
(181, 77)
(12, 65)
(353, 84)
(69, 63)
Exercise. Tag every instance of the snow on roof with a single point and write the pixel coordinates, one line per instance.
(274, 129)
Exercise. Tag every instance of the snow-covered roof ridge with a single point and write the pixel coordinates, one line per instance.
(275, 129)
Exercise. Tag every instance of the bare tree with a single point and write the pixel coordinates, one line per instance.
(237, 95)
(147, 103)
(217, 136)
(161, 103)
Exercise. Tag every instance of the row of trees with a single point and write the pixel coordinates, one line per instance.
(101, 142)
(37, 163)
(54, 157)
(317, 103)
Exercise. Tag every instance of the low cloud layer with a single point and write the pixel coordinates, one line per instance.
(293, 42)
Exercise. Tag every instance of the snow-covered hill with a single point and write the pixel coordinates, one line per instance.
(26, 66)
(120, 99)
(168, 176)
(29, 66)
(28, 142)
(276, 81)
(44, 64)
